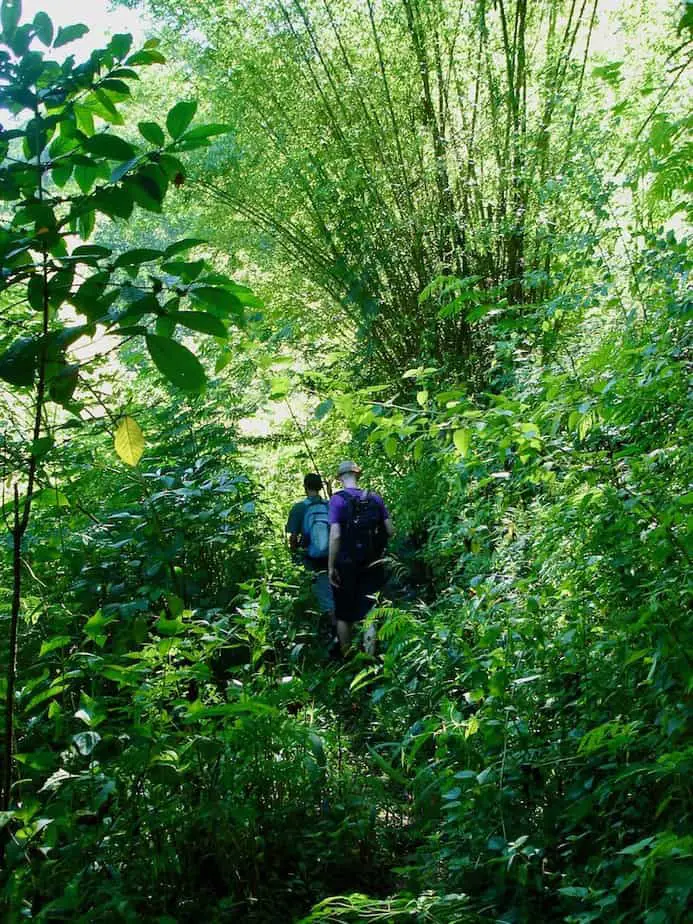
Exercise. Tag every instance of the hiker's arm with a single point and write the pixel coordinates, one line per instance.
(335, 541)
(294, 527)
(389, 528)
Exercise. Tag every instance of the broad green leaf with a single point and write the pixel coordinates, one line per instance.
(89, 252)
(324, 408)
(116, 203)
(202, 132)
(91, 712)
(121, 675)
(85, 176)
(165, 326)
(152, 133)
(138, 256)
(21, 40)
(109, 146)
(462, 439)
(188, 271)
(102, 105)
(199, 137)
(85, 119)
(180, 116)
(223, 360)
(197, 711)
(145, 57)
(120, 45)
(63, 382)
(38, 760)
(62, 173)
(147, 187)
(35, 291)
(168, 627)
(10, 14)
(481, 311)
(181, 367)
(60, 641)
(243, 294)
(69, 34)
(18, 362)
(181, 246)
(42, 446)
(216, 297)
(44, 28)
(637, 847)
(201, 321)
(129, 441)
(172, 167)
(117, 89)
(175, 604)
(280, 387)
(51, 498)
(45, 695)
(574, 892)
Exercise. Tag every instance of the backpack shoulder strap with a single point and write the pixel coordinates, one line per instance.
(349, 500)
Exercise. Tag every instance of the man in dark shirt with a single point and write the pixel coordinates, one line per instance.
(308, 531)
(360, 526)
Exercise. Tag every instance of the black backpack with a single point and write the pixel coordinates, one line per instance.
(363, 536)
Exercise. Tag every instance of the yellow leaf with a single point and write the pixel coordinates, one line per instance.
(461, 439)
(129, 441)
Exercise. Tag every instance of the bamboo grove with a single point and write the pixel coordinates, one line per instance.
(450, 240)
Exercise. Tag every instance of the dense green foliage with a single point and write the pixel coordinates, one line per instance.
(470, 227)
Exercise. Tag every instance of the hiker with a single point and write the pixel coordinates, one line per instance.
(360, 526)
(308, 531)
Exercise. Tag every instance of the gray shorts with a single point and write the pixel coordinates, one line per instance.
(322, 589)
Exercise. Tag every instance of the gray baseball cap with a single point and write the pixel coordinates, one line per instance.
(348, 466)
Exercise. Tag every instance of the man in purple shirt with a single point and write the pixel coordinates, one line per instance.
(360, 526)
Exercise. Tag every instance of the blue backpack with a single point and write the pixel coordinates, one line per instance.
(316, 529)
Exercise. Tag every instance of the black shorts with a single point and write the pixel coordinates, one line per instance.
(355, 596)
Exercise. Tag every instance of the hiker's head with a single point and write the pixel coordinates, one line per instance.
(348, 473)
(312, 484)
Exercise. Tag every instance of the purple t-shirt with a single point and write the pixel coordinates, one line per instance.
(338, 505)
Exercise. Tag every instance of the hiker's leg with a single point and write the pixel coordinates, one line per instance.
(322, 589)
(344, 632)
(372, 581)
(344, 607)
(369, 640)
